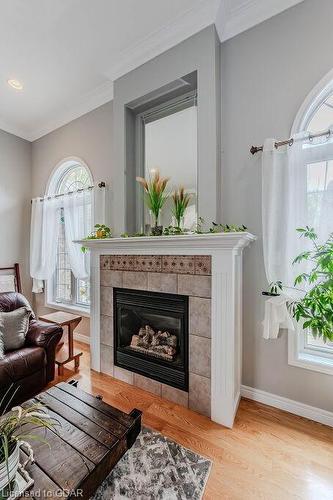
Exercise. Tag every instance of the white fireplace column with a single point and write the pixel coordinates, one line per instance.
(225, 250)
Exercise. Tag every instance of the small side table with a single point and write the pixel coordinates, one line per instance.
(71, 321)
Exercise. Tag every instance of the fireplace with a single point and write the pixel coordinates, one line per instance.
(151, 335)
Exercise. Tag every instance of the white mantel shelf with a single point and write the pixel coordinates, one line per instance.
(201, 241)
(226, 251)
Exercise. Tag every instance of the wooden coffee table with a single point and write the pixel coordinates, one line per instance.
(91, 439)
(71, 321)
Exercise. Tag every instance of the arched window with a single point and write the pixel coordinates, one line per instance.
(65, 291)
(316, 118)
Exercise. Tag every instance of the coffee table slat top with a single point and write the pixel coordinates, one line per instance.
(91, 440)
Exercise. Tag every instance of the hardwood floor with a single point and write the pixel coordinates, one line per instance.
(269, 454)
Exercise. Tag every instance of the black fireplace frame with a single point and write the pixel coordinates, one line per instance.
(157, 369)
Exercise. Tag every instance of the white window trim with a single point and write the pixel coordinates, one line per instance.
(298, 353)
(53, 180)
(61, 306)
(306, 357)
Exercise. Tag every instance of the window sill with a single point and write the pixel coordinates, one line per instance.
(307, 360)
(85, 312)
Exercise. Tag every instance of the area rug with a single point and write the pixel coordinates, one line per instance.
(156, 468)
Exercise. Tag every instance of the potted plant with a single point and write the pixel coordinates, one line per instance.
(181, 200)
(314, 310)
(14, 433)
(102, 231)
(155, 197)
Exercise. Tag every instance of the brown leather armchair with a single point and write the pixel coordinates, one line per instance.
(31, 368)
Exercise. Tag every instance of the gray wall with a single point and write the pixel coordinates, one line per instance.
(266, 74)
(89, 138)
(15, 191)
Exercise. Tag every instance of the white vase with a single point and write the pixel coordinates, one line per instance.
(7, 474)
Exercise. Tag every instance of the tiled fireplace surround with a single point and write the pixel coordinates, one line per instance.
(207, 268)
(180, 274)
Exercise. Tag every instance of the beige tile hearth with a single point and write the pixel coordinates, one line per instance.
(106, 300)
(105, 261)
(106, 330)
(124, 375)
(111, 278)
(107, 359)
(148, 384)
(136, 280)
(197, 286)
(199, 394)
(200, 316)
(162, 282)
(200, 355)
(178, 264)
(175, 395)
(203, 264)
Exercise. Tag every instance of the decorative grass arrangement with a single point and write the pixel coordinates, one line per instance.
(155, 194)
(181, 200)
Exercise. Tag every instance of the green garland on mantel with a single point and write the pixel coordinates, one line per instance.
(215, 228)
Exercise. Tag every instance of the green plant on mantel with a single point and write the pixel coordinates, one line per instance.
(315, 309)
(177, 231)
(101, 232)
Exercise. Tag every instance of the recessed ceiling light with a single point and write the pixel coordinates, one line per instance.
(16, 84)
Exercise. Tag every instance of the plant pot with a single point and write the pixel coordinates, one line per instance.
(157, 230)
(7, 474)
(100, 234)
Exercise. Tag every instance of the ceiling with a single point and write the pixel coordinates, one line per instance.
(67, 53)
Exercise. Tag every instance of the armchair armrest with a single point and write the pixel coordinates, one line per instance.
(47, 336)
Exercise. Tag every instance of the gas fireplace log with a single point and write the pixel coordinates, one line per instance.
(159, 344)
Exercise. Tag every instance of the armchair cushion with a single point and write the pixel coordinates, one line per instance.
(13, 328)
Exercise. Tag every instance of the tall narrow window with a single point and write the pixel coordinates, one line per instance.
(65, 289)
(306, 350)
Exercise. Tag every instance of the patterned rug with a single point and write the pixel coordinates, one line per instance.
(156, 468)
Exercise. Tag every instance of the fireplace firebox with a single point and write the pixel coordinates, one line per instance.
(151, 335)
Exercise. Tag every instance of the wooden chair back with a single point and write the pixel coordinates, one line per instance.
(15, 270)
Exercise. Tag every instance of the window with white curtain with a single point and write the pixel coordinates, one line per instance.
(305, 350)
(63, 289)
(319, 181)
(297, 190)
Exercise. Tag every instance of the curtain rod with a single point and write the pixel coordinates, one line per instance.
(49, 197)
(290, 142)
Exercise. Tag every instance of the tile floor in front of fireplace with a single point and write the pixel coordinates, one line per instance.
(269, 453)
(198, 288)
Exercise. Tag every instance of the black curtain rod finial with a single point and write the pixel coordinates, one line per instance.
(101, 184)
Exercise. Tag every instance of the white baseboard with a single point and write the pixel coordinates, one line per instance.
(81, 338)
(300, 409)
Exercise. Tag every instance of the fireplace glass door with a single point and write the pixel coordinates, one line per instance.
(151, 335)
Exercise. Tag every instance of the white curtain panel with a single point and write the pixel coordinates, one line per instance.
(45, 220)
(78, 216)
(297, 190)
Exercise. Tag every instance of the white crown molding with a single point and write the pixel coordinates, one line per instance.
(184, 26)
(231, 21)
(289, 405)
(88, 102)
